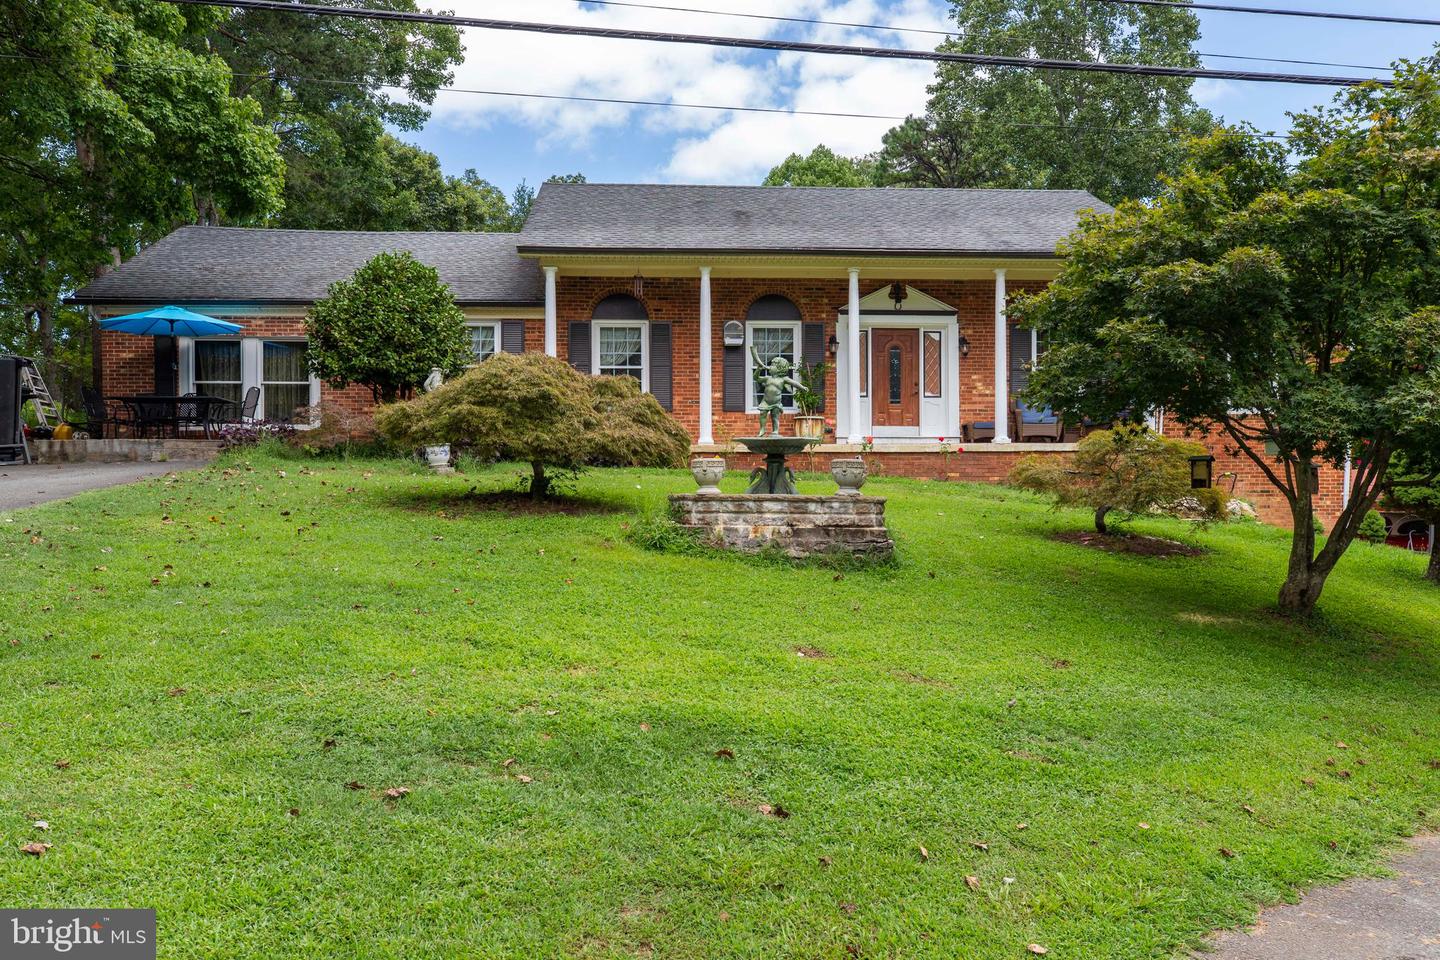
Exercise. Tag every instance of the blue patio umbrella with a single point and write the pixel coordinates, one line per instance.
(170, 322)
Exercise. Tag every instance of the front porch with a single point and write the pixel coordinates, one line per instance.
(973, 463)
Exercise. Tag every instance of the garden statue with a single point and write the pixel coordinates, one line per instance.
(433, 382)
(437, 456)
(773, 379)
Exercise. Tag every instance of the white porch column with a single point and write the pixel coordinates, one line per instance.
(1002, 363)
(707, 427)
(852, 360)
(550, 312)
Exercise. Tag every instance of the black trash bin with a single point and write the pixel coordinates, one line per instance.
(12, 428)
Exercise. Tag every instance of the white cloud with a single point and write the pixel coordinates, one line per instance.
(715, 146)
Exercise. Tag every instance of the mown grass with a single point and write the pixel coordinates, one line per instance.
(189, 646)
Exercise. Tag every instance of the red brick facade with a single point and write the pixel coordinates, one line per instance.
(128, 367)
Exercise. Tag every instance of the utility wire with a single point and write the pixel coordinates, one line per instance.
(790, 46)
(1052, 38)
(292, 78)
(1279, 12)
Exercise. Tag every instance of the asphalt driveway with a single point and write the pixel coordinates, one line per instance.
(23, 485)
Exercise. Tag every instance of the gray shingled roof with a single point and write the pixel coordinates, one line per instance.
(235, 264)
(652, 218)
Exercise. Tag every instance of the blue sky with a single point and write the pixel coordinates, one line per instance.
(508, 139)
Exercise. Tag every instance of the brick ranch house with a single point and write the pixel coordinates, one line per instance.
(901, 292)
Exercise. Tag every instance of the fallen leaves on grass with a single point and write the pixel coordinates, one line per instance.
(523, 778)
(924, 854)
(62, 764)
(175, 692)
(774, 810)
(329, 744)
(35, 849)
(1036, 949)
(294, 811)
(42, 825)
(826, 861)
(725, 753)
(811, 653)
(644, 728)
(354, 785)
(1227, 853)
(973, 882)
(395, 793)
(980, 845)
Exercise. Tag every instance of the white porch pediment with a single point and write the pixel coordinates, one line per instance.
(916, 302)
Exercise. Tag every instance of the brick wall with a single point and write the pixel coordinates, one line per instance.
(965, 465)
(1234, 470)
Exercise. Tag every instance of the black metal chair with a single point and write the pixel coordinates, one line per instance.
(99, 414)
(250, 405)
(157, 414)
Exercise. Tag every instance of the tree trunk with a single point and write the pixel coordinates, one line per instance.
(1432, 573)
(1100, 526)
(45, 328)
(539, 483)
(1304, 580)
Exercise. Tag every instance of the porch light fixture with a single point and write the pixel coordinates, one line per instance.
(898, 293)
(964, 345)
(833, 344)
(1202, 472)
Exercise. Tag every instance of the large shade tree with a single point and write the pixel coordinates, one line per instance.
(1290, 305)
(1011, 127)
(115, 124)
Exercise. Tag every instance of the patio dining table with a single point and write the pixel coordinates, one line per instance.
(168, 412)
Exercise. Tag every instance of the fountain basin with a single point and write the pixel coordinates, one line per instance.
(775, 477)
(801, 526)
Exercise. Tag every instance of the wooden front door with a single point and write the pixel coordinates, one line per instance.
(894, 378)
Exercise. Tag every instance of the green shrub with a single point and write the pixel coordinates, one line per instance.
(1372, 528)
(1128, 470)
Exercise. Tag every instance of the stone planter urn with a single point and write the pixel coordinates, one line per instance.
(438, 458)
(708, 472)
(849, 475)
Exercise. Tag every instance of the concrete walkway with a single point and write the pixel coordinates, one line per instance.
(24, 485)
(1392, 919)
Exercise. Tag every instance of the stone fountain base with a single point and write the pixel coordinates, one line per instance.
(802, 526)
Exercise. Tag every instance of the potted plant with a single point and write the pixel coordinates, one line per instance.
(810, 401)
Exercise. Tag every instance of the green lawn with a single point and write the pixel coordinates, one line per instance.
(212, 650)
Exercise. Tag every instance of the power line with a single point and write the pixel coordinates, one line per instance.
(293, 78)
(789, 46)
(1052, 38)
(1275, 12)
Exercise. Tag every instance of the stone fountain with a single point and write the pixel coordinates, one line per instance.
(772, 513)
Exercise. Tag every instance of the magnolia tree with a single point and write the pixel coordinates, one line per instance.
(1290, 305)
(541, 411)
(1127, 471)
(387, 327)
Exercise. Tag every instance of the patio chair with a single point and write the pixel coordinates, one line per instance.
(1037, 423)
(99, 415)
(979, 431)
(156, 414)
(249, 405)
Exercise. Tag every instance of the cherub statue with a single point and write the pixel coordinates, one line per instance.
(773, 380)
(436, 378)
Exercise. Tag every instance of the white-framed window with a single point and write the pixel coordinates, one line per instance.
(932, 364)
(284, 378)
(864, 363)
(228, 367)
(484, 340)
(621, 348)
(771, 340)
(217, 369)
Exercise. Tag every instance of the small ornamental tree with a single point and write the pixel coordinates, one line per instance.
(387, 327)
(1414, 486)
(541, 411)
(1283, 295)
(1129, 470)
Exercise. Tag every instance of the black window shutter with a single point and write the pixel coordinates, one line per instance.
(512, 336)
(736, 386)
(662, 377)
(1019, 358)
(167, 378)
(580, 347)
(812, 349)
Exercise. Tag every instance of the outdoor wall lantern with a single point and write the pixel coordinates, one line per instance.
(898, 293)
(1202, 472)
(833, 344)
(964, 345)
